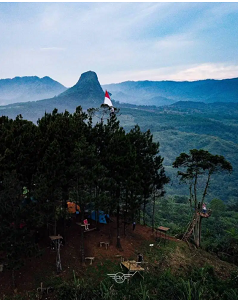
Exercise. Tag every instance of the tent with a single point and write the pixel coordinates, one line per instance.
(72, 207)
(100, 217)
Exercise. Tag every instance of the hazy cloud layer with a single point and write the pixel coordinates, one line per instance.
(119, 41)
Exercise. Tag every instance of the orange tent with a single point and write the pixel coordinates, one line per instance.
(72, 207)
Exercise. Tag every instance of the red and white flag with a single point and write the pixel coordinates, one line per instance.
(107, 100)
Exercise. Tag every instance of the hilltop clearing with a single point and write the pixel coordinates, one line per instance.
(166, 254)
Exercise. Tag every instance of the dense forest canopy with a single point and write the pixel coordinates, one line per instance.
(65, 157)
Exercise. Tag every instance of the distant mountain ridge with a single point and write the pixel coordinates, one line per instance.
(28, 88)
(168, 92)
(87, 92)
(158, 93)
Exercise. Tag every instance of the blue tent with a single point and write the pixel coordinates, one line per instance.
(100, 217)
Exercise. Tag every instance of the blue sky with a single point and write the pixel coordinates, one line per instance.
(119, 41)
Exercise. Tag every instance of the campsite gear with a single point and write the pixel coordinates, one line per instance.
(99, 216)
(73, 207)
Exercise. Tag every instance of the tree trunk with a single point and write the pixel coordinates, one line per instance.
(195, 190)
(13, 279)
(64, 207)
(139, 215)
(82, 238)
(206, 187)
(197, 231)
(55, 225)
(144, 205)
(118, 227)
(125, 214)
(97, 210)
(153, 215)
(82, 246)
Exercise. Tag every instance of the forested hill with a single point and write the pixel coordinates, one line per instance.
(184, 126)
(167, 92)
(28, 88)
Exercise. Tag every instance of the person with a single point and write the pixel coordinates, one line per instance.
(112, 111)
(204, 208)
(199, 206)
(134, 225)
(139, 259)
(107, 218)
(85, 222)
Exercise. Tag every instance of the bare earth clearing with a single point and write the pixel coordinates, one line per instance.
(179, 258)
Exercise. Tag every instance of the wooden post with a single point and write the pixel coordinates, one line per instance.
(56, 240)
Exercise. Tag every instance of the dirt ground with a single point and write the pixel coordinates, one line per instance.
(38, 269)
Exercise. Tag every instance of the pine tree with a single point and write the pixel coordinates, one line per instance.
(197, 166)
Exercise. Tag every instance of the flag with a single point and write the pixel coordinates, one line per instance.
(107, 100)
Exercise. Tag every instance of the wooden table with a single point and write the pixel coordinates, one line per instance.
(55, 237)
(104, 243)
(90, 258)
(133, 267)
(164, 230)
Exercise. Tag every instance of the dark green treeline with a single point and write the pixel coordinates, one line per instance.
(67, 157)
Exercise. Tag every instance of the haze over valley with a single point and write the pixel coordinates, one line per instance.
(197, 120)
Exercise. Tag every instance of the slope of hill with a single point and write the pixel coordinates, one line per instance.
(179, 128)
(28, 88)
(87, 91)
(167, 92)
(174, 255)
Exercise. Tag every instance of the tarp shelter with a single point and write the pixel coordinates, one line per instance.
(100, 216)
(26, 200)
(72, 207)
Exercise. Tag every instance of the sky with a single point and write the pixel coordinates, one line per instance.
(119, 41)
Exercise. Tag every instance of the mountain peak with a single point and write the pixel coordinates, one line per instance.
(87, 91)
(87, 77)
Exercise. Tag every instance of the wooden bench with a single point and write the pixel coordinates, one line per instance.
(119, 256)
(90, 258)
(85, 225)
(56, 237)
(104, 243)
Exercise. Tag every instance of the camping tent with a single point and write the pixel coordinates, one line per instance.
(72, 207)
(100, 216)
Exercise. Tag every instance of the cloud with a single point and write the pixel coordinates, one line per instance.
(52, 49)
(178, 73)
(207, 71)
(51, 18)
(120, 41)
